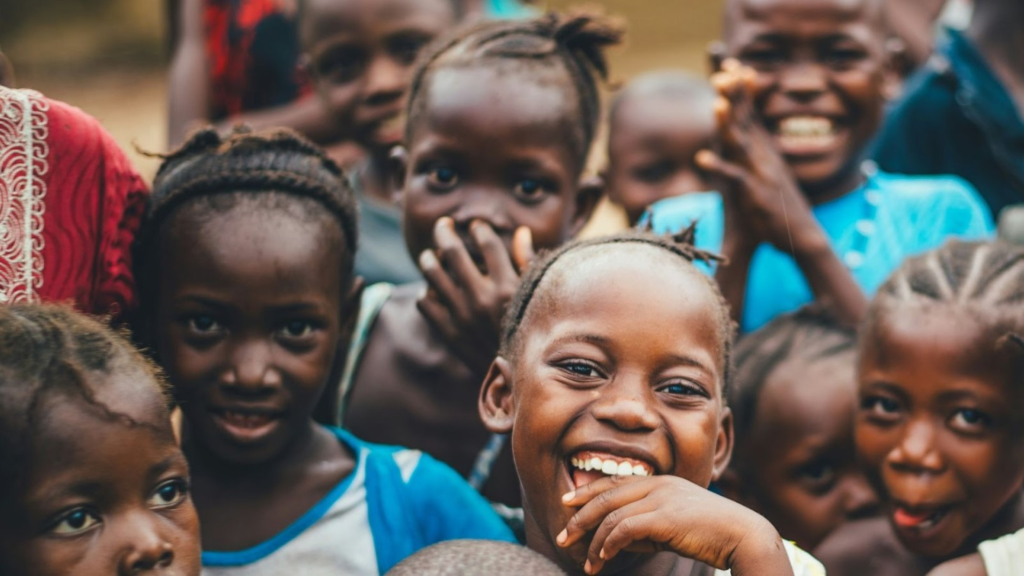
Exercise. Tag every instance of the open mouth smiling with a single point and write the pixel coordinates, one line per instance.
(586, 466)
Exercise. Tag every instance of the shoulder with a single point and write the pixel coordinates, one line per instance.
(864, 547)
(967, 566)
(944, 196)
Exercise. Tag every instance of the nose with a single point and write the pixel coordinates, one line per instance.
(251, 367)
(146, 548)
(487, 204)
(804, 81)
(916, 451)
(385, 81)
(626, 405)
(860, 499)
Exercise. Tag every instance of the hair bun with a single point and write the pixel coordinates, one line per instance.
(587, 33)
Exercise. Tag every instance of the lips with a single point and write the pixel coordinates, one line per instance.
(919, 521)
(587, 466)
(246, 425)
(803, 135)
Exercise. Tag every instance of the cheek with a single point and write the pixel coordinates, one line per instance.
(696, 440)
(992, 468)
(550, 221)
(874, 443)
(185, 539)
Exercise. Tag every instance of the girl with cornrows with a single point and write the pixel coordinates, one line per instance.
(940, 423)
(248, 294)
(501, 118)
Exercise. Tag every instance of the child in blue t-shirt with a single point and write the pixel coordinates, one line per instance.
(248, 294)
(800, 219)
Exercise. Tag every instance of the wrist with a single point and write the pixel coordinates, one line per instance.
(811, 242)
(760, 551)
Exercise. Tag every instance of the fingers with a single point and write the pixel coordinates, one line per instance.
(522, 248)
(453, 252)
(496, 256)
(444, 290)
(717, 166)
(637, 527)
(437, 315)
(600, 499)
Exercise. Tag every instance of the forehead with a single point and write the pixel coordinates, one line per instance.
(252, 244)
(643, 116)
(634, 297)
(809, 396)
(325, 18)
(746, 19)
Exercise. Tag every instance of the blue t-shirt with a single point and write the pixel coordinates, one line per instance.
(395, 502)
(872, 229)
(508, 9)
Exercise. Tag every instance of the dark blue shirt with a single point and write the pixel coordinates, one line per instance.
(956, 117)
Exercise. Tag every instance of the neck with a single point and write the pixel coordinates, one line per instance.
(848, 181)
(294, 457)
(995, 29)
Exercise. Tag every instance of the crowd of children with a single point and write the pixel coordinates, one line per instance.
(351, 328)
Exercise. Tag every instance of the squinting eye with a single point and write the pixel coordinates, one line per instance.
(76, 521)
(168, 494)
(203, 323)
(443, 178)
(580, 369)
(682, 390)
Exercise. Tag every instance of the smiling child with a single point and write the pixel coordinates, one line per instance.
(939, 427)
(93, 481)
(800, 217)
(794, 397)
(657, 124)
(250, 296)
(611, 381)
(501, 120)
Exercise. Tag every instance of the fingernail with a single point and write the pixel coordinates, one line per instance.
(562, 537)
(587, 567)
(445, 222)
(569, 496)
(601, 554)
(427, 259)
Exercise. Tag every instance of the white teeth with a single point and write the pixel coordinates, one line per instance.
(610, 467)
(575, 463)
(639, 471)
(625, 469)
(594, 464)
(804, 126)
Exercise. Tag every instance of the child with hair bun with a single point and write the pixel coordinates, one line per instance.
(92, 481)
(501, 118)
(249, 295)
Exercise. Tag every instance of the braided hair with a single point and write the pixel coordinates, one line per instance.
(573, 42)
(681, 245)
(811, 334)
(277, 167)
(987, 278)
(48, 350)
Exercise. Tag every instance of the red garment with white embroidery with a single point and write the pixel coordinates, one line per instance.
(70, 205)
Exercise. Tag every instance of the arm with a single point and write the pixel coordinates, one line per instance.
(762, 203)
(306, 115)
(189, 78)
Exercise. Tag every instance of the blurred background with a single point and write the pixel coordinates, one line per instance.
(109, 57)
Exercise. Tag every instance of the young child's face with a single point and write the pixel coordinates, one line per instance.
(940, 426)
(362, 53)
(248, 321)
(822, 74)
(103, 497)
(476, 153)
(651, 147)
(799, 461)
(619, 360)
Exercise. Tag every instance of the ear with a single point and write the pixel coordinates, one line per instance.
(326, 409)
(590, 191)
(724, 444)
(496, 404)
(716, 55)
(897, 66)
(398, 162)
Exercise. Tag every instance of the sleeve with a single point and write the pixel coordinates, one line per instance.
(449, 509)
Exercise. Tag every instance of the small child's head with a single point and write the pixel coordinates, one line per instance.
(940, 425)
(614, 361)
(823, 75)
(793, 400)
(501, 122)
(92, 481)
(467, 557)
(361, 55)
(247, 285)
(657, 125)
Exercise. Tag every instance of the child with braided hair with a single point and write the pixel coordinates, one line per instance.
(501, 118)
(248, 296)
(611, 382)
(92, 481)
(940, 423)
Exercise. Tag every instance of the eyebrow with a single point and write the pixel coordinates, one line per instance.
(598, 340)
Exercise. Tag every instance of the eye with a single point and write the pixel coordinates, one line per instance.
(340, 65)
(843, 57)
(817, 476)
(531, 190)
(881, 407)
(970, 420)
(203, 324)
(442, 178)
(653, 173)
(297, 329)
(75, 522)
(763, 58)
(683, 389)
(168, 494)
(580, 368)
(406, 49)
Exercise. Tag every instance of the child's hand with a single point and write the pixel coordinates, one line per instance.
(760, 190)
(464, 304)
(657, 513)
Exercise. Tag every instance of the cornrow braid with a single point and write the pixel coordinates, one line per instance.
(276, 161)
(810, 333)
(681, 245)
(575, 40)
(987, 277)
(47, 350)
